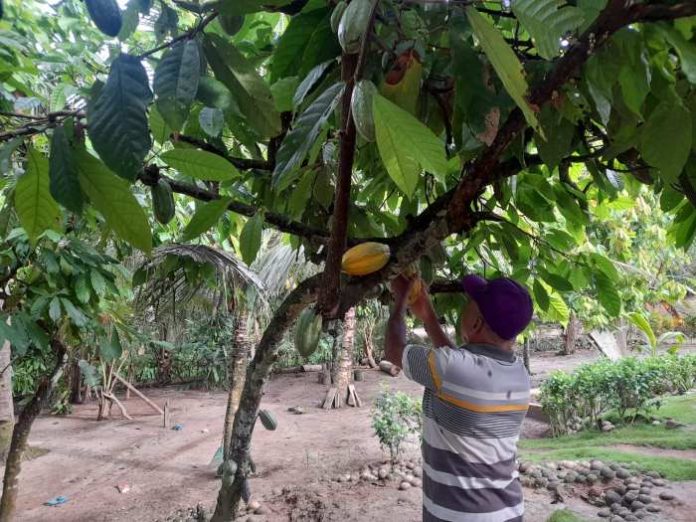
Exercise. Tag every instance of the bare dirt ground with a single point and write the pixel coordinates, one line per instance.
(169, 470)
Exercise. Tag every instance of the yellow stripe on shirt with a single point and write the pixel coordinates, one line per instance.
(433, 370)
(483, 408)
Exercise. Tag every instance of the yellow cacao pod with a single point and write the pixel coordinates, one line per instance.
(365, 258)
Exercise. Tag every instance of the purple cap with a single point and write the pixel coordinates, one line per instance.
(505, 304)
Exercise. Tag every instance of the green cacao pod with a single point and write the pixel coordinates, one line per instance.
(353, 24)
(231, 24)
(163, 202)
(336, 15)
(106, 16)
(361, 108)
(308, 332)
(268, 420)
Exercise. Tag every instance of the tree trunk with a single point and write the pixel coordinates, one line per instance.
(525, 355)
(6, 403)
(572, 333)
(369, 348)
(345, 361)
(164, 366)
(75, 383)
(239, 360)
(20, 434)
(257, 374)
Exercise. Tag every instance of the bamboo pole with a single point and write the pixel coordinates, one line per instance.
(138, 393)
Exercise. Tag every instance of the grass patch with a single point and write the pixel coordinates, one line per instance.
(681, 409)
(672, 468)
(564, 515)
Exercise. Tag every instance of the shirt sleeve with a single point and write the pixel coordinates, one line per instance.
(420, 364)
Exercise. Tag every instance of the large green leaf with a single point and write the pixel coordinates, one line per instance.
(36, 209)
(131, 18)
(505, 63)
(643, 325)
(309, 82)
(212, 121)
(117, 119)
(110, 347)
(661, 145)
(205, 217)
(303, 135)
(64, 185)
(289, 54)
(547, 22)
(406, 145)
(249, 90)
(607, 295)
(283, 91)
(686, 50)
(200, 164)
(176, 82)
(112, 197)
(250, 238)
(160, 130)
(541, 296)
(213, 93)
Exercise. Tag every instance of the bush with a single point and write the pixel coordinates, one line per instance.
(628, 387)
(395, 416)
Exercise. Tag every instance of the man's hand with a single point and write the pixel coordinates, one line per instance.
(421, 306)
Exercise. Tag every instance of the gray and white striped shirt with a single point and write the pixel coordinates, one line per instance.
(475, 400)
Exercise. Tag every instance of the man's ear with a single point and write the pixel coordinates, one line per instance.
(478, 324)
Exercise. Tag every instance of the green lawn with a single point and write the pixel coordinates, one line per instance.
(594, 444)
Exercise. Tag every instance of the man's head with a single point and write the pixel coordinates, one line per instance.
(498, 310)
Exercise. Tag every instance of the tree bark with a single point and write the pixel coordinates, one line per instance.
(239, 360)
(257, 374)
(75, 383)
(7, 418)
(20, 434)
(572, 333)
(345, 360)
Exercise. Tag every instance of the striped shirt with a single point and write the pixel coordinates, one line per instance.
(474, 403)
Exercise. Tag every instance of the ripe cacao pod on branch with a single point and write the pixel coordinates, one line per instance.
(365, 258)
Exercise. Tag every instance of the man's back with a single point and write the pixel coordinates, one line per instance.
(473, 407)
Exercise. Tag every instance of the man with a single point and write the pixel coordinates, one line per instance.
(476, 397)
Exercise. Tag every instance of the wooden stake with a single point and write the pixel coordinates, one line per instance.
(138, 393)
(330, 398)
(166, 417)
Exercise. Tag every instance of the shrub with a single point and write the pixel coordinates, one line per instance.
(628, 387)
(395, 417)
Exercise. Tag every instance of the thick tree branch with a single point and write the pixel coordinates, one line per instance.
(351, 69)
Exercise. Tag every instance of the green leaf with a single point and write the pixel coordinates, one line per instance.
(176, 82)
(283, 91)
(569, 207)
(131, 18)
(547, 22)
(555, 281)
(540, 295)
(160, 130)
(505, 63)
(250, 238)
(98, 282)
(301, 195)
(213, 93)
(200, 164)
(6, 151)
(117, 119)
(82, 291)
(559, 136)
(303, 135)
(607, 295)
(307, 41)
(406, 145)
(36, 209)
(89, 373)
(212, 121)
(686, 50)
(78, 318)
(207, 215)
(309, 82)
(112, 197)
(249, 90)
(110, 347)
(64, 185)
(54, 311)
(660, 145)
(558, 309)
(605, 265)
(643, 325)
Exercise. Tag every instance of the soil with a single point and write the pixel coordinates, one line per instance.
(169, 470)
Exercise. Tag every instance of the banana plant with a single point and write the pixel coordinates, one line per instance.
(672, 340)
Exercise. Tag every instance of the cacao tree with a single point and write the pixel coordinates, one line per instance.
(459, 134)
